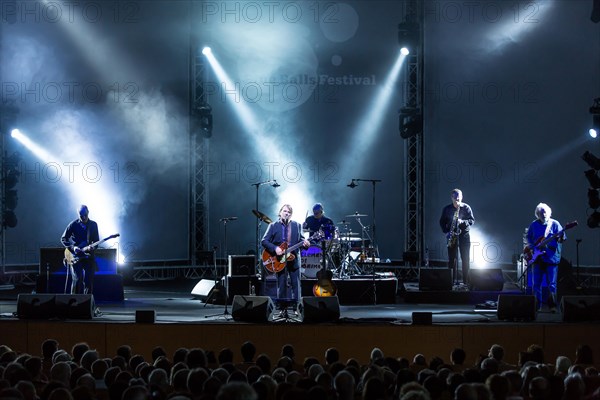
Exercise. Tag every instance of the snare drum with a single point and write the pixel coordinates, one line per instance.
(311, 261)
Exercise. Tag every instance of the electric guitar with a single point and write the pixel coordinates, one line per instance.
(531, 254)
(73, 259)
(274, 263)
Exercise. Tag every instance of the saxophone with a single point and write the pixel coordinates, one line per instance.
(452, 236)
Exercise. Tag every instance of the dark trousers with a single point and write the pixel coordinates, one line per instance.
(82, 276)
(543, 270)
(293, 270)
(464, 248)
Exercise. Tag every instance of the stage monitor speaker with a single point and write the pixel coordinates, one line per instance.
(580, 308)
(145, 316)
(242, 266)
(252, 308)
(203, 288)
(435, 279)
(488, 279)
(319, 309)
(35, 306)
(422, 318)
(74, 306)
(516, 307)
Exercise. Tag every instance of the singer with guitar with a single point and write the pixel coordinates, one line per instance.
(279, 236)
(547, 255)
(76, 237)
(456, 221)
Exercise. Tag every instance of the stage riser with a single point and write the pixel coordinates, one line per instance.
(26, 336)
(453, 297)
(349, 291)
(107, 287)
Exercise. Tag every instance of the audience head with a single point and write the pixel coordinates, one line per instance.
(49, 346)
(331, 355)
(584, 355)
(236, 391)
(458, 356)
(248, 351)
(124, 351)
(78, 350)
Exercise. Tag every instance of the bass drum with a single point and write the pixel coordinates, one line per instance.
(311, 261)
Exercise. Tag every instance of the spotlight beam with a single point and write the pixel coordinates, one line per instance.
(370, 124)
(97, 196)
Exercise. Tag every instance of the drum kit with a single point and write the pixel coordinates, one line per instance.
(342, 250)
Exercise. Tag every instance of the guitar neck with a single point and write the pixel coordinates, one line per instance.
(550, 238)
(297, 245)
(294, 247)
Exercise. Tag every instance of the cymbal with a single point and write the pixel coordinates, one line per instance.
(357, 215)
(262, 216)
(343, 223)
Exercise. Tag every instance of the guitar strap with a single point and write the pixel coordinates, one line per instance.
(288, 228)
(548, 226)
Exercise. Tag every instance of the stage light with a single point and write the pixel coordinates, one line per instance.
(9, 219)
(202, 121)
(593, 198)
(592, 178)
(595, 17)
(14, 133)
(206, 50)
(410, 122)
(404, 51)
(593, 220)
(595, 125)
(591, 160)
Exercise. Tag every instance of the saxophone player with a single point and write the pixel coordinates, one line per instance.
(455, 222)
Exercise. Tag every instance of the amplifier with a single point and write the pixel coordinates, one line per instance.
(242, 266)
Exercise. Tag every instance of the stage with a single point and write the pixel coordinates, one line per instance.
(180, 319)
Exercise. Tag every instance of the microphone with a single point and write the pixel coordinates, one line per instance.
(228, 219)
(352, 185)
(275, 185)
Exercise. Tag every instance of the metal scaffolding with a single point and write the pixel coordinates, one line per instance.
(199, 145)
(413, 145)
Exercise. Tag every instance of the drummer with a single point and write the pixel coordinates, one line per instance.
(319, 221)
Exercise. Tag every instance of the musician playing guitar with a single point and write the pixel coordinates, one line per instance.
(78, 234)
(545, 258)
(279, 236)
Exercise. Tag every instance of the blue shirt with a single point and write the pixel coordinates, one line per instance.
(538, 230)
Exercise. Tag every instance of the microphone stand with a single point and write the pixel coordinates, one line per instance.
(257, 243)
(578, 285)
(225, 313)
(373, 182)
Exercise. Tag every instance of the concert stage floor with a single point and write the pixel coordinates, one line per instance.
(173, 302)
(184, 321)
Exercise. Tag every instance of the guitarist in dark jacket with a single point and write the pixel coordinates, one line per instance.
(78, 235)
(545, 258)
(280, 235)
